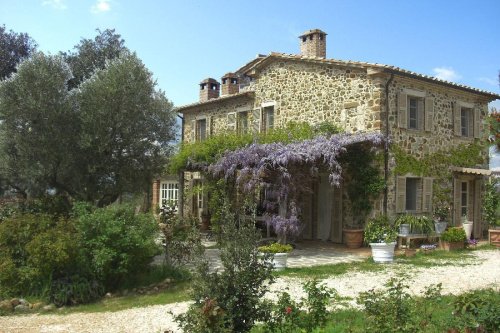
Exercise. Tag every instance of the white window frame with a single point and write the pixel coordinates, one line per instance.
(169, 192)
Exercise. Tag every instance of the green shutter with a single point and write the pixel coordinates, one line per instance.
(420, 114)
(429, 113)
(477, 122)
(209, 126)
(427, 195)
(231, 121)
(456, 119)
(400, 194)
(256, 120)
(402, 110)
(193, 130)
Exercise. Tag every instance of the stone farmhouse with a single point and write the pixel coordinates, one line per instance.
(421, 115)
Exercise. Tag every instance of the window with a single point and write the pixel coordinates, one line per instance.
(201, 129)
(268, 116)
(411, 194)
(169, 193)
(242, 125)
(466, 122)
(415, 112)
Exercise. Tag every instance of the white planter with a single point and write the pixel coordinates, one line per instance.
(468, 229)
(383, 252)
(404, 229)
(279, 261)
(440, 227)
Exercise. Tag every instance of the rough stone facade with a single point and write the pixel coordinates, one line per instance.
(352, 95)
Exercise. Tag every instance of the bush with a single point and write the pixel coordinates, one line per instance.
(117, 241)
(74, 290)
(378, 230)
(454, 234)
(230, 300)
(276, 248)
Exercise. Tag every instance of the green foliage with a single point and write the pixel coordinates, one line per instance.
(491, 202)
(117, 241)
(454, 234)
(418, 224)
(395, 310)
(477, 309)
(74, 290)
(493, 121)
(14, 47)
(230, 300)
(310, 313)
(192, 155)
(379, 230)
(182, 240)
(276, 248)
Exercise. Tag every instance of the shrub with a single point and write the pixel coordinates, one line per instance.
(276, 248)
(234, 295)
(74, 290)
(477, 309)
(117, 241)
(378, 230)
(454, 234)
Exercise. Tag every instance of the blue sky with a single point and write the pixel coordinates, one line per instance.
(185, 41)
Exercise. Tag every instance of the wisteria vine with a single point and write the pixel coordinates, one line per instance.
(273, 166)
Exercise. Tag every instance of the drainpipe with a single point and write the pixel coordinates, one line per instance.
(181, 174)
(386, 144)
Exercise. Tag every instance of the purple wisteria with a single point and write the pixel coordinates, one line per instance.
(276, 167)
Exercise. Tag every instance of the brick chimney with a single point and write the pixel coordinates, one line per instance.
(209, 88)
(230, 84)
(313, 43)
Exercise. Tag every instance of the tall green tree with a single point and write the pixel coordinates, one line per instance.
(38, 126)
(127, 125)
(14, 47)
(92, 54)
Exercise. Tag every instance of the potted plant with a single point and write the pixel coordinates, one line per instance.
(353, 236)
(491, 203)
(467, 225)
(381, 236)
(279, 252)
(412, 224)
(441, 216)
(453, 238)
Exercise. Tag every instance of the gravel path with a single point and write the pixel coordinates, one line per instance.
(483, 273)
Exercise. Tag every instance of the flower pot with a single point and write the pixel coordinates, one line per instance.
(279, 261)
(494, 237)
(450, 246)
(410, 252)
(404, 229)
(353, 238)
(468, 229)
(440, 226)
(383, 252)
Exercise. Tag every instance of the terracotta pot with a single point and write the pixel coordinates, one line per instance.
(494, 237)
(410, 252)
(353, 238)
(450, 246)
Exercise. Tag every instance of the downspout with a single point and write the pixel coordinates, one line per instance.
(386, 144)
(181, 174)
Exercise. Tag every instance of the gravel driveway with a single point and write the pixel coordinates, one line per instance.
(483, 273)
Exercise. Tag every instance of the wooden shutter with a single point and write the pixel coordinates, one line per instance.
(478, 227)
(429, 113)
(193, 130)
(306, 206)
(336, 227)
(456, 119)
(231, 121)
(400, 194)
(209, 126)
(402, 110)
(457, 189)
(427, 195)
(477, 122)
(256, 120)
(419, 195)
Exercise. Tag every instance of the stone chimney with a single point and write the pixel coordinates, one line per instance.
(313, 44)
(209, 88)
(230, 84)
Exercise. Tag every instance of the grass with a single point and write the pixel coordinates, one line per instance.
(434, 258)
(178, 293)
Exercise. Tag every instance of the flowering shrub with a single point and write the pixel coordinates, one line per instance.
(276, 248)
(455, 234)
(378, 230)
(428, 247)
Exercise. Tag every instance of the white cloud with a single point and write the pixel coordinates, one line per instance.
(56, 4)
(447, 74)
(101, 6)
(488, 80)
